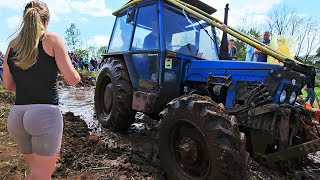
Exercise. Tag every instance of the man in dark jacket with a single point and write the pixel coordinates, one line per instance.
(262, 57)
(310, 89)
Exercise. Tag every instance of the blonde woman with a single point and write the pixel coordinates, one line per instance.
(31, 64)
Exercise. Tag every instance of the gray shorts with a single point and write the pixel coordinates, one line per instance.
(36, 128)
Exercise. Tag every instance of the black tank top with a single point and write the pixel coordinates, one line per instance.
(37, 84)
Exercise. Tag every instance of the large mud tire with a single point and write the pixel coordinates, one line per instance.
(113, 95)
(198, 140)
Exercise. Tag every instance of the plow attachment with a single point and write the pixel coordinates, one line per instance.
(293, 152)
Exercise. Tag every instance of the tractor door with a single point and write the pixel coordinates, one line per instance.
(145, 47)
(186, 38)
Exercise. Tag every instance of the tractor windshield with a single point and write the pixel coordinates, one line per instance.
(188, 35)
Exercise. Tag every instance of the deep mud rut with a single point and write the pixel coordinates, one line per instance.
(91, 152)
(98, 153)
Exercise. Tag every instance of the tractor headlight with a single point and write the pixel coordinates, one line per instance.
(293, 97)
(283, 96)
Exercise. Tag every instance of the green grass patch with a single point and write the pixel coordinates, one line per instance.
(317, 91)
(87, 73)
(6, 101)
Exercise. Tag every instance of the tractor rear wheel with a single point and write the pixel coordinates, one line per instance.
(199, 140)
(113, 95)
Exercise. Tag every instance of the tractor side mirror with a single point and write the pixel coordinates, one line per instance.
(130, 13)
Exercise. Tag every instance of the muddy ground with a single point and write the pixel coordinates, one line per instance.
(97, 153)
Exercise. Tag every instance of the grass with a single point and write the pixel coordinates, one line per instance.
(316, 90)
(87, 73)
(6, 101)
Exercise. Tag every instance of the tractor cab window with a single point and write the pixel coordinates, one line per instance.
(188, 35)
(146, 35)
(122, 34)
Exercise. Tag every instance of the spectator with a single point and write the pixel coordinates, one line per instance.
(31, 66)
(310, 89)
(261, 56)
(250, 56)
(92, 63)
(85, 63)
(80, 62)
(95, 64)
(232, 49)
(1, 66)
(1, 59)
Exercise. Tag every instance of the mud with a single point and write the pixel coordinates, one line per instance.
(106, 155)
(91, 152)
(138, 147)
(86, 81)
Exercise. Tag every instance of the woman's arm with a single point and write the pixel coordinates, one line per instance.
(8, 81)
(63, 61)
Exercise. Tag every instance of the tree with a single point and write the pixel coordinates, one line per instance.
(92, 50)
(73, 37)
(285, 21)
(318, 52)
(82, 52)
(100, 51)
(241, 46)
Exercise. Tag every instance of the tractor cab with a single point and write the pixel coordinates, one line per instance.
(151, 42)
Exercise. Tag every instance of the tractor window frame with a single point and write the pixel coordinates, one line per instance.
(120, 40)
(196, 36)
(144, 28)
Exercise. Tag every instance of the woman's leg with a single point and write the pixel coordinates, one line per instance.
(18, 133)
(42, 167)
(45, 124)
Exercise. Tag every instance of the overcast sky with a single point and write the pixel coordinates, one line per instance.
(94, 19)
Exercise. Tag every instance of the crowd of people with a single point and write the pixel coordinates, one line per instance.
(83, 63)
(1, 65)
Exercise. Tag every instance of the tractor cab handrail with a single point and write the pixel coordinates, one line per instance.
(126, 5)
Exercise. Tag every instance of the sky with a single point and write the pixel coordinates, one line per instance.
(94, 18)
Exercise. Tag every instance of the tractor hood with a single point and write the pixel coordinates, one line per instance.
(198, 70)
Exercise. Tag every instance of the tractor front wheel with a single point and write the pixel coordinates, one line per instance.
(199, 140)
(113, 95)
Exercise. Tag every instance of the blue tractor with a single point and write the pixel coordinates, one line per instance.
(163, 60)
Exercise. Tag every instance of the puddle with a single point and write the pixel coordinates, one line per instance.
(79, 101)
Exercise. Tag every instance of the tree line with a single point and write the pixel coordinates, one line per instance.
(285, 21)
(73, 41)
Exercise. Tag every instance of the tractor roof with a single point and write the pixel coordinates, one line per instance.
(196, 3)
(201, 5)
